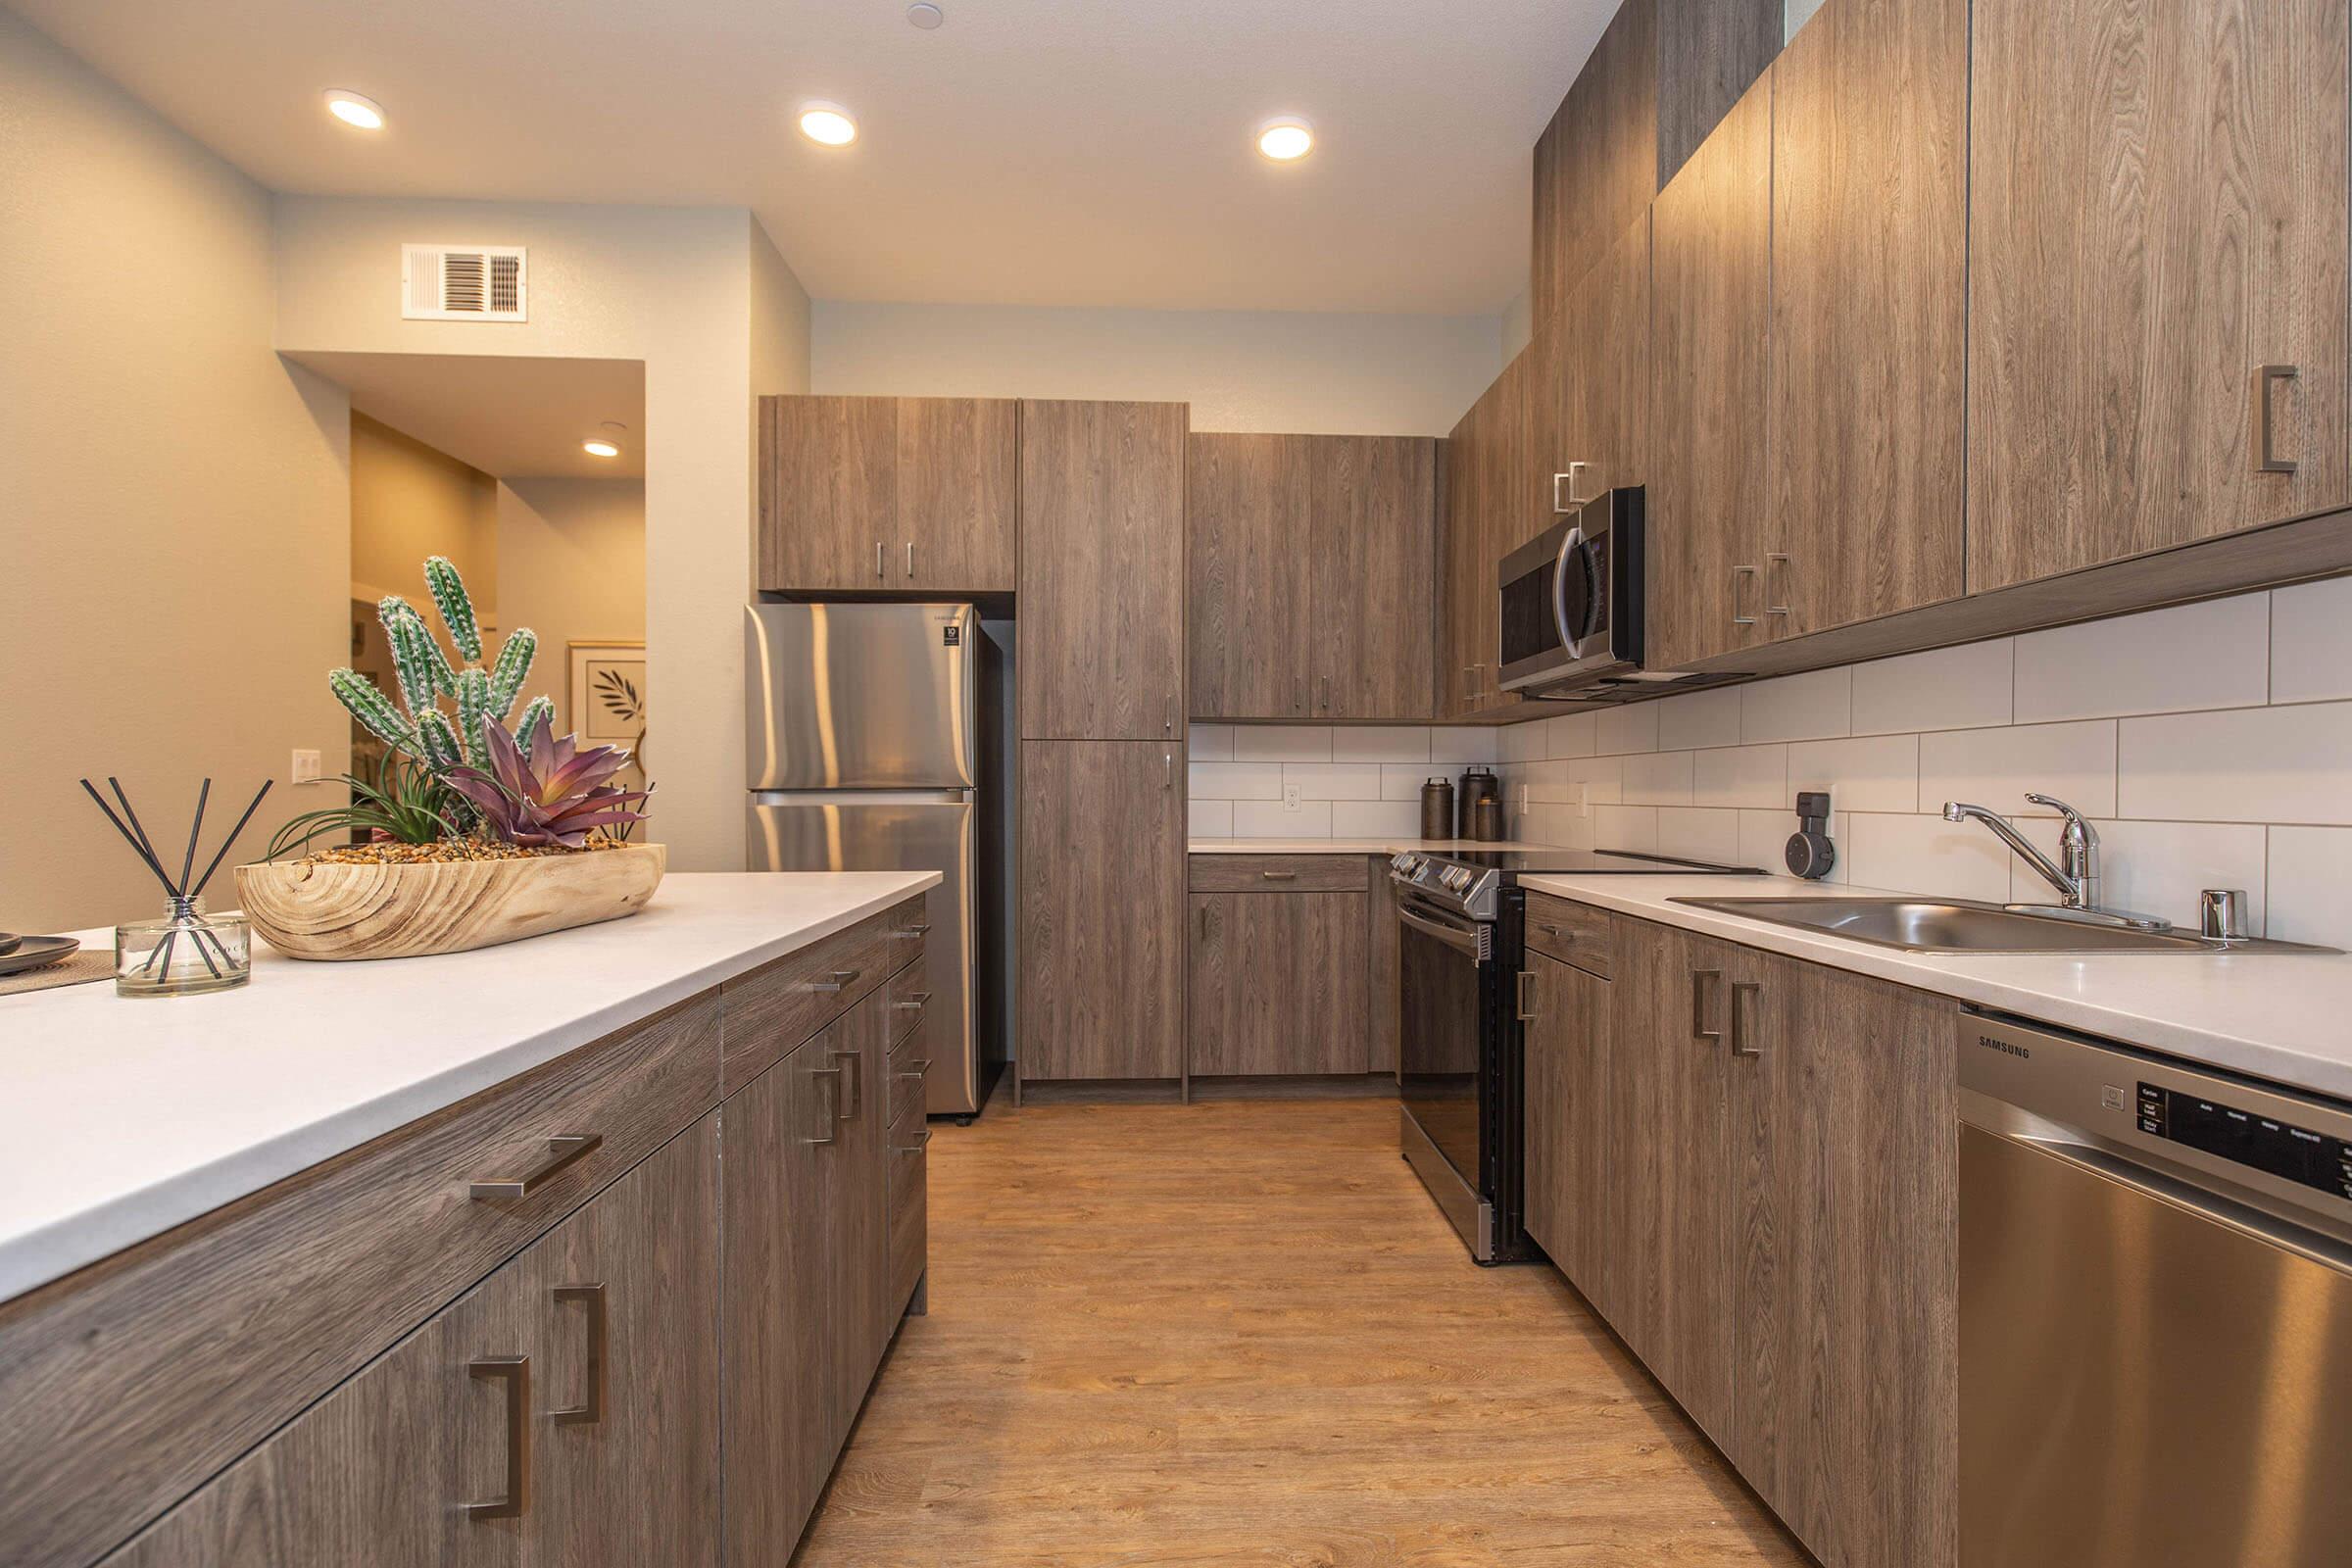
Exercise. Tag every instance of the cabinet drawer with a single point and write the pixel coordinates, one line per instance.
(1278, 874)
(772, 1010)
(910, 1067)
(131, 1383)
(909, 1208)
(909, 999)
(910, 929)
(1573, 933)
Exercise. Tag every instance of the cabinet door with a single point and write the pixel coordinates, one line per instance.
(2156, 212)
(957, 463)
(1278, 984)
(1569, 1118)
(787, 1196)
(1604, 377)
(1669, 1227)
(828, 494)
(1868, 296)
(1102, 905)
(861, 1047)
(1847, 1168)
(1597, 164)
(1457, 546)
(1372, 549)
(1249, 518)
(1514, 477)
(1102, 575)
(1711, 236)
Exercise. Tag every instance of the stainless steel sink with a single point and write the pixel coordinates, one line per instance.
(1958, 926)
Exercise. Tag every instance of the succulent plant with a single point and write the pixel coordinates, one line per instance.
(420, 727)
(556, 795)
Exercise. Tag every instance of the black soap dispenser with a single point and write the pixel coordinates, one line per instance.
(1810, 854)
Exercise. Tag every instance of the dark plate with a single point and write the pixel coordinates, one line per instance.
(34, 952)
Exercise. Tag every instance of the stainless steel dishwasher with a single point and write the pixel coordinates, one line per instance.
(2155, 1312)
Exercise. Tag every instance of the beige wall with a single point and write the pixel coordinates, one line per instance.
(572, 558)
(409, 501)
(1303, 373)
(688, 291)
(176, 515)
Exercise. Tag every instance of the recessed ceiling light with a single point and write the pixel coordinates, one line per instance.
(354, 109)
(924, 15)
(829, 123)
(597, 447)
(1285, 140)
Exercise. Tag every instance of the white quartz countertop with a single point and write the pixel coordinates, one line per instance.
(119, 1119)
(2287, 1018)
(1347, 846)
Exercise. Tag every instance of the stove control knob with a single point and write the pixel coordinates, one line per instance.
(1408, 863)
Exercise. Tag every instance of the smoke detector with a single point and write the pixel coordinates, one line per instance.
(463, 283)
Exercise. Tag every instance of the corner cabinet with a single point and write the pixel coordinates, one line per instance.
(2157, 259)
(888, 495)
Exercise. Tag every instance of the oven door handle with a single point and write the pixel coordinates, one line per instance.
(1464, 942)
(1559, 592)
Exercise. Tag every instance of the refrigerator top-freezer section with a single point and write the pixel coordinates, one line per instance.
(859, 697)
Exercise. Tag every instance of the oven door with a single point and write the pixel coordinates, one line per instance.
(1445, 982)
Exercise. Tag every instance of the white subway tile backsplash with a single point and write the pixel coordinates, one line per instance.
(1267, 819)
(2251, 764)
(1523, 743)
(1699, 833)
(1659, 778)
(1281, 742)
(2210, 654)
(1235, 781)
(1209, 742)
(1799, 707)
(1380, 745)
(1948, 687)
(1740, 775)
(1926, 855)
(1403, 781)
(2310, 885)
(1554, 824)
(2311, 642)
(1572, 735)
(1700, 719)
(1626, 827)
(1465, 746)
(1996, 769)
(1867, 773)
(1620, 730)
(2158, 868)
(1375, 820)
(1208, 819)
(1333, 781)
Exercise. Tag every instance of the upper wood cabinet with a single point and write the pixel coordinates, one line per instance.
(2156, 213)
(1479, 482)
(1311, 560)
(1595, 386)
(1710, 347)
(896, 494)
(1869, 260)
(1101, 909)
(1102, 570)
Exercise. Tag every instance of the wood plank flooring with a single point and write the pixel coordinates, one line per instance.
(1240, 1333)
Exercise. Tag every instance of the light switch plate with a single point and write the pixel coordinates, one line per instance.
(303, 769)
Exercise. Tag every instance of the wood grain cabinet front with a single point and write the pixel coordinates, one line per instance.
(1278, 985)
(888, 495)
(1568, 1135)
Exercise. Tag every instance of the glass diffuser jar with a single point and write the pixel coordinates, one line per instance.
(185, 953)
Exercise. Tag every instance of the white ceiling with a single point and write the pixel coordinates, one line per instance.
(511, 418)
(1039, 152)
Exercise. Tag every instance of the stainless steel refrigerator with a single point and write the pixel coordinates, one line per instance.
(873, 745)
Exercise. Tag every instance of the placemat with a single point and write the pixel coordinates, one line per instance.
(74, 969)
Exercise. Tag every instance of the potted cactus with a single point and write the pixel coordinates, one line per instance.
(469, 833)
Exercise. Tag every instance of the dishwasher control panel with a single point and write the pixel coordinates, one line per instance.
(2247, 1137)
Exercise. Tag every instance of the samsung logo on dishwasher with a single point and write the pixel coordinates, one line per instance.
(2007, 1048)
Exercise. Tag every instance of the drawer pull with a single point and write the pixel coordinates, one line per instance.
(1562, 933)
(856, 1081)
(590, 1410)
(1698, 1007)
(920, 928)
(1280, 876)
(841, 980)
(515, 1372)
(833, 1073)
(915, 1148)
(913, 1002)
(917, 1069)
(1740, 1046)
(561, 1150)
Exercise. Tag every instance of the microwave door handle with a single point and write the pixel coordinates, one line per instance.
(1559, 592)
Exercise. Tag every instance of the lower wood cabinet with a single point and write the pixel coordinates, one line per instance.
(1278, 984)
(1569, 1141)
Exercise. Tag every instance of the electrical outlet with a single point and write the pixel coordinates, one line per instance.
(1294, 797)
(303, 769)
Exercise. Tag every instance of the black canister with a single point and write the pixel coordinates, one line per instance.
(1485, 819)
(1480, 784)
(1437, 808)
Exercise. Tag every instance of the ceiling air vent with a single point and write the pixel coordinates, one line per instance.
(462, 283)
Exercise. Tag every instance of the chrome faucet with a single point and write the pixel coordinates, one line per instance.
(2077, 879)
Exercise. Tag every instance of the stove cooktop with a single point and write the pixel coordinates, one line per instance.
(1471, 881)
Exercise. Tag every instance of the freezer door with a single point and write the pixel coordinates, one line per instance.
(861, 695)
(909, 830)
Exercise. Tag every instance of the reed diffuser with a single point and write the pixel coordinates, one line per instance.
(186, 953)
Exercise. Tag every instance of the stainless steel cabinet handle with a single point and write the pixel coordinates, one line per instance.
(841, 980)
(1280, 876)
(515, 1372)
(561, 1150)
(591, 1408)
(1740, 1045)
(877, 558)
(856, 1081)
(2265, 457)
(913, 1002)
(1167, 764)
(1562, 933)
(1737, 573)
(920, 1066)
(1526, 996)
(920, 928)
(1771, 609)
(1698, 1006)
(1167, 714)
(915, 1148)
(833, 1073)
(1574, 498)
(909, 557)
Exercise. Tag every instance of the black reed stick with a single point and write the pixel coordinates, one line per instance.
(131, 838)
(202, 881)
(195, 831)
(140, 828)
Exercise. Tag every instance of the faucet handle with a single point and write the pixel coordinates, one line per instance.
(2075, 820)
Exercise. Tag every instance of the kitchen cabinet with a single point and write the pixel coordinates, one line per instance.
(899, 495)
(1869, 250)
(1310, 560)
(1597, 163)
(2157, 224)
(1710, 344)
(1103, 571)
(563, 1410)
(1383, 1022)
(1276, 984)
(1488, 463)
(1593, 402)
(1569, 1137)
(1101, 909)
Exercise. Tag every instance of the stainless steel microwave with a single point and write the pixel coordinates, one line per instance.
(1572, 599)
